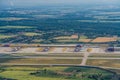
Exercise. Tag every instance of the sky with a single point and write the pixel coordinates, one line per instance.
(20, 3)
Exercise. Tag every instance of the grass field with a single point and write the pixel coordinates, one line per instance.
(42, 55)
(104, 62)
(24, 75)
(39, 61)
(105, 55)
(23, 72)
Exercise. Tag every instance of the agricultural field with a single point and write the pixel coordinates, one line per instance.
(59, 25)
(85, 40)
(31, 34)
(104, 39)
(6, 36)
(37, 40)
(83, 37)
(66, 41)
(63, 37)
(12, 19)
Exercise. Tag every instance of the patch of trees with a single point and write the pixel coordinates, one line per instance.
(73, 73)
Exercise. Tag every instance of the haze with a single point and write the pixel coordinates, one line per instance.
(31, 3)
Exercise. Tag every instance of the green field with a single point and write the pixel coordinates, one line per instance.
(34, 73)
(43, 55)
(39, 61)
